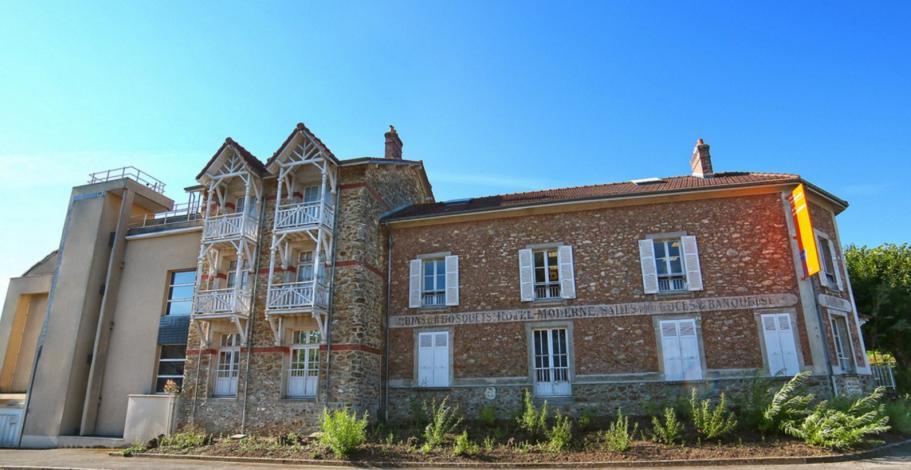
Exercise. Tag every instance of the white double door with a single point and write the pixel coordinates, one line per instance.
(680, 349)
(780, 344)
(551, 356)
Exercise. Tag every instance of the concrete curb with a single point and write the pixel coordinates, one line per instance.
(875, 452)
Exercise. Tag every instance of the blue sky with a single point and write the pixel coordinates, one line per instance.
(493, 96)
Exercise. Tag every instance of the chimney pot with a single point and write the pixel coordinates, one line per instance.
(701, 161)
(393, 144)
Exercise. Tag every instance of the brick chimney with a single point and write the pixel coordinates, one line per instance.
(393, 145)
(701, 162)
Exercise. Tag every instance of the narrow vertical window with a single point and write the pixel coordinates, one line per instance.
(551, 360)
(547, 273)
(180, 293)
(232, 276)
(433, 287)
(828, 264)
(303, 371)
(305, 267)
(669, 264)
(842, 343)
(227, 366)
(171, 360)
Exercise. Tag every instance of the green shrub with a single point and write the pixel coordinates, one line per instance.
(489, 444)
(618, 437)
(532, 420)
(463, 446)
(586, 416)
(711, 423)
(899, 413)
(488, 415)
(343, 431)
(186, 439)
(670, 430)
(443, 420)
(136, 448)
(560, 435)
(829, 427)
(419, 416)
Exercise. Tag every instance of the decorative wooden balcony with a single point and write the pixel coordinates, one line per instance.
(230, 227)
(220, 303)
(297, 296)
(303, 216)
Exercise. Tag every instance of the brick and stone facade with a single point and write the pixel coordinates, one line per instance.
(385, 219)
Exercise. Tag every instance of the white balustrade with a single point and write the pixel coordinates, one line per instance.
(228, 226)
(222, 301)
(295, 295)
(294, 216)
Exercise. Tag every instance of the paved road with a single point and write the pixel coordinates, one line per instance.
(99, 459)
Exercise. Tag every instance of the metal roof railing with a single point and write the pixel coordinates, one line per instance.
(130, 172)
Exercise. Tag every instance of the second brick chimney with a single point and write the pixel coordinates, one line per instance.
(393, 144)
(700, 163)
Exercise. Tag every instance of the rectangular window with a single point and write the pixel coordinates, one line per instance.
(433, 286)
(226, 369)
(780, 344)
(842, 343)
(551, 356)
(232, 276)
(669, 264)
(171, 359)
(547, 273)
(311, 194)
(305, 266)
(680, 350)
(303, 372)
(433, 359)
(180, 293)
(827, 262)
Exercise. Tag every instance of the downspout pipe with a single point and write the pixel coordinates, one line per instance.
(386, 326)
(252, 320)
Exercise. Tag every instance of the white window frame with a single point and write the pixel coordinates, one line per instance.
(435, 297)
(178, 379)
(823, 244)
(304, 265)
(303, 364)
(313, 189)
(552, 376)
(231, 276)
(227, 366)
(842, 352)
(171, 285)
(549, 289)
(671, 281)
(444, 380)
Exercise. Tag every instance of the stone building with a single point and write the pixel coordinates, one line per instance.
(306, 281)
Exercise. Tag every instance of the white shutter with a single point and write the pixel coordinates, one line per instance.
(670, 350)
(414, 283)
(425, 359)
(788, 344)
(835, 266)
(526, 276)
(567, 276)
(441, 360)
(649, 270)
(689, 350)
(772, 345)
(691, 260)
(452, 280)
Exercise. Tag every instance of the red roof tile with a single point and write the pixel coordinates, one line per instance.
(668, 185)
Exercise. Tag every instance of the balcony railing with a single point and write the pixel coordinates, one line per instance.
(671, 284)
(547, 291)
(130, 172)
(222, 301)
(297, 216)
(229, 226)
(297, 295)
(181, 213)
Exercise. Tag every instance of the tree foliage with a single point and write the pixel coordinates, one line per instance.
(881, 279)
